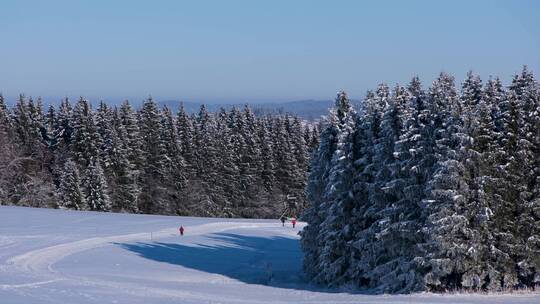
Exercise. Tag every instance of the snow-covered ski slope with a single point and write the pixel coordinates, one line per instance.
(56, 256)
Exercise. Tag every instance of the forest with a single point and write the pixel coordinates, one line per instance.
(414, 189)
(430, 189)
(150, 160)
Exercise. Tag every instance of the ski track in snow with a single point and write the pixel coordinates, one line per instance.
(40, 262)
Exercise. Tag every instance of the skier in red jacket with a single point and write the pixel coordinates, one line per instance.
(293, 221)
(181, 229)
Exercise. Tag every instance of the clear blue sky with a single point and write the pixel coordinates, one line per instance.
(255, 50)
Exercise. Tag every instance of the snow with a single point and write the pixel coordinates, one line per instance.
(60, 256)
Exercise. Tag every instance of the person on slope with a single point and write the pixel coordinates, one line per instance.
(293, 221)
(282, 221)
(181, 229)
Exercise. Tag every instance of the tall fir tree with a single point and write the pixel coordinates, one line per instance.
(86, 141)
(175, 175)
(152, 198)
(335, 231)
(70, 193)
(95, 188)
(318, 179)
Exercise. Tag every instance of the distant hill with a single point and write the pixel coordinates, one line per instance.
(306, 109)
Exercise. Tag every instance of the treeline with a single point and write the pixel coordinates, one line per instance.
(429, 189)
(229, 164)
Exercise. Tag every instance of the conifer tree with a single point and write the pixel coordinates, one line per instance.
(95, 188)
(6, 123)
(86, 141)
(70, 194)
(523, 93)
(27, 128)
(175, 176)
(318, 179)
(228, 184)
(152, 197)
(335, 230)
(119, 171)
(50, 121)
(184, 126)
(132, 138)
(267, 156)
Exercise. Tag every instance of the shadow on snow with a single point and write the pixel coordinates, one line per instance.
(274, 261)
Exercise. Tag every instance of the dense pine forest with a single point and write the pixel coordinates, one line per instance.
(416, 189)
(428, 189)
(151, 160)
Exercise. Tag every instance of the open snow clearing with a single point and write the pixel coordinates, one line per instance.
(56, 256)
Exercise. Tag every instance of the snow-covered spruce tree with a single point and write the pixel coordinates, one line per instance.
(21, 123)
(37, 126)
(205, 156)
(471, 95)
(104, 128)
(386, 130)
(267, 171)
(69, 192)
(412, 146)
(152, 198)
(29, 176)
(175, 177)
(460, 195)
(62, 128)
(226, 187)
(509, 188)
(313, 144)
(335, 233)
(364, 214)
(317, 183)
(205, 161)
(284, 158)
(61, 136)
(86, 141)
(282, 154)
(394, 215)
(479, 154)
(413, 158)
(184, 126)
(307, 132)
(523, 91)
(119, 171)
(245, 146)
(488, 154)
(8, 152)
(132, 140)
(533, 242)
(6, 122)
(251, 139)
(513, 221)
(50, 119)
(366, 222)
(27, 125)
(300, 153)
(451, 240)
(95, 188)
